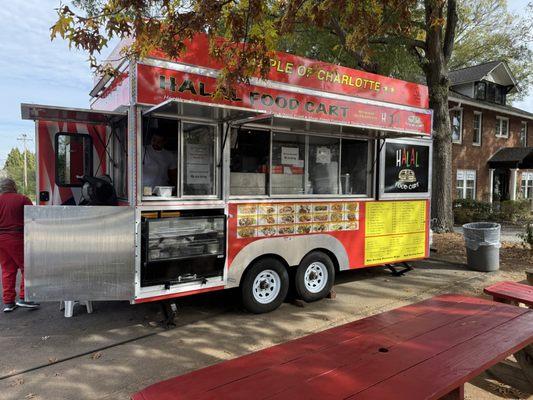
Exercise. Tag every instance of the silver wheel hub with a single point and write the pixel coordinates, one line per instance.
(266, 287)
(315, 277)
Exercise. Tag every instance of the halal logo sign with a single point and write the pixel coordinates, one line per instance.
(407, 159)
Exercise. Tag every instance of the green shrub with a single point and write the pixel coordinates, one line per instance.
(514, 211)
(468, 210)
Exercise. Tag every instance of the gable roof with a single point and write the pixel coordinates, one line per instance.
(472, 74)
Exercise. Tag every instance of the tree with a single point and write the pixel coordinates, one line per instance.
(426, 30)
(14, 169)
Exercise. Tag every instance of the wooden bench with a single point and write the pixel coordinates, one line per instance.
(426, 350)
(516, 293)
(511, 292)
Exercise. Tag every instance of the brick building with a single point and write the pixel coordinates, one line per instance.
(491, 157)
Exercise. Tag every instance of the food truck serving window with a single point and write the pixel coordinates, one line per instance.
(74, 155)
(198, 167)
(278, 163)
(179, 159)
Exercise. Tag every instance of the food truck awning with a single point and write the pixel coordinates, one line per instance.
(176, 108)
(236, 116)
(50, 113)
(512, 157)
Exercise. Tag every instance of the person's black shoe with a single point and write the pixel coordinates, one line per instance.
(9, 307)
(27, 304)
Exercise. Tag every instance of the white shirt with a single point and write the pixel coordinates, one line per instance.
(156, 164)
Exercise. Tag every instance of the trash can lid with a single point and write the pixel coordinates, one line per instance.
(482, 225)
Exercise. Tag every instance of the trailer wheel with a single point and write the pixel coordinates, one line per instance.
(264, 286)
(314, 276)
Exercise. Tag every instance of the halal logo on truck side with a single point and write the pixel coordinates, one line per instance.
(407, 159)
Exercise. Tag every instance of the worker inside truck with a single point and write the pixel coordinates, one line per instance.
(159, 163)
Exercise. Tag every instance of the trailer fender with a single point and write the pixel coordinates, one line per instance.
(290, 248)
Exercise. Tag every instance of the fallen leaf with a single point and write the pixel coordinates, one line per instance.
(30, 396)
(96, 356)
(52, 360)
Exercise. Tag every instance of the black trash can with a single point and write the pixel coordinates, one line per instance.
(482, 242)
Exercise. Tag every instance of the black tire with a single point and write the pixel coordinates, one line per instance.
(328, 269)
(247, 285)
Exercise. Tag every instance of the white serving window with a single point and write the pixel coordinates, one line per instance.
(456, 117)
(356, 177)
(502, 127)
(478, 128)
(276, 163)
(323, 175)
(179, 159)
(466, 184)
(250, 159)
(527, 185)
(523, 133)
(288, 163)
(198, 161)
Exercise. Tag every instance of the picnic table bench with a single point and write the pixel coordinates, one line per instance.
(426, 350)
(516, 293)
(511, 292)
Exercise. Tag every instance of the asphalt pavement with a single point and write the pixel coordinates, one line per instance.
(121, 348)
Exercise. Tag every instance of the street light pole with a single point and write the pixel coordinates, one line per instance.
(24, 139)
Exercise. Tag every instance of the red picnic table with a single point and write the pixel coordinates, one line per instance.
(511, 292)
(426, 350)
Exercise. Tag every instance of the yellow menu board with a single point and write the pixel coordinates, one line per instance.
(395, 230)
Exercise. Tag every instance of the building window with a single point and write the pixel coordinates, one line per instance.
(466, 184)
(480, 89)
(457, 125)
(523, 134)
(478, 128)
(502, 127)
(527, 185)
(495, 93)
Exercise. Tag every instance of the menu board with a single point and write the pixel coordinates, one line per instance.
(395, 230)
(406, 168)
(262, 220)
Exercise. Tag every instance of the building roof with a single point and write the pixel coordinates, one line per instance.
(472, 74)
(512, 157)
(458, 97)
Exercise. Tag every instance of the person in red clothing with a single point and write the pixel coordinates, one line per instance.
(12, 244)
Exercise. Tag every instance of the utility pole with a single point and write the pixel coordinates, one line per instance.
(25, 139)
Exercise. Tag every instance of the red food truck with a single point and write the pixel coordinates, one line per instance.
(162, 190)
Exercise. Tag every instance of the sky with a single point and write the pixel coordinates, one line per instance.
(34, 69)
